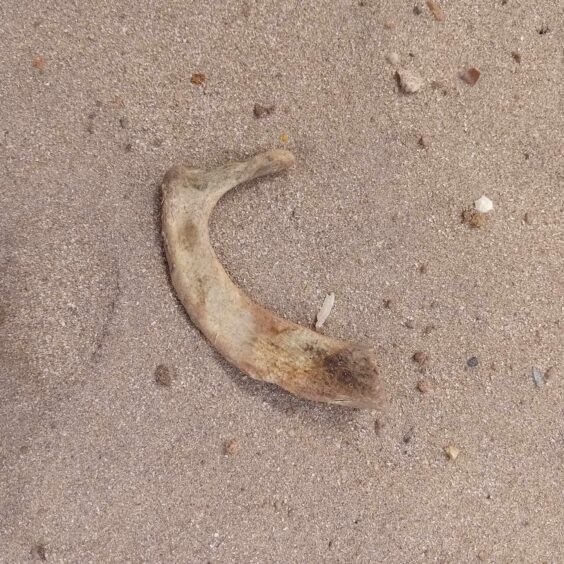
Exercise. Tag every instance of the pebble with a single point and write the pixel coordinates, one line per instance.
(261, 111)
(409, 81)
(436, 10)
(393, 59)
(452, 452)
(421, 358)
(425, 386)
(472, 362)
(470, 76)
(162, 375)
(425, 141)
(550, 373)
(231, 447)
(483, 204)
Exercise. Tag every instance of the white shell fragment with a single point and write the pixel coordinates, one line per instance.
(325, 310)
(538, 377)
(483, 205)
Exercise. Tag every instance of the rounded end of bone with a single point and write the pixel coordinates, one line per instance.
(275, 161)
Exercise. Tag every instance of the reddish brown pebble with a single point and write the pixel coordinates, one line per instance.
(436, 10)
(231, 447)
(421, 358)
(516, 56)
(425, 386)
(474, 219)
(198, 78)
(39, 63)
(470, 76)
(162, 375)
(262, 111)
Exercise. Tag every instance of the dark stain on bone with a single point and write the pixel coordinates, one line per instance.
(189, 236)
(351, 370)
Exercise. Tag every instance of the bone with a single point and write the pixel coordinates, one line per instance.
(266, 347)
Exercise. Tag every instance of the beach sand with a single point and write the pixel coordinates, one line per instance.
(99, 462)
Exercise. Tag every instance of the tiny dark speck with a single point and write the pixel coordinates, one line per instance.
(472, 362)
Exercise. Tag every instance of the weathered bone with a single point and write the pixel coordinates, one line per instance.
(267, 347)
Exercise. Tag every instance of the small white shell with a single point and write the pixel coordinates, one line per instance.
(483, 205)
(325, 310)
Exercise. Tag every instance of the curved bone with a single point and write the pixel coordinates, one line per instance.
(266, 347)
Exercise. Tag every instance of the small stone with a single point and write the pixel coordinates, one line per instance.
(409, 324)
(474, 219)
(261, 111)
(198, 79)
(128, 148)
(428, 329)
(483, 205)
(417, 10)
(528, 218)
(39, 63)
(550, 373)
(124, 122)
(452, 452)
(516, 56)
(393, 59)
(163, 376)
(231, 447)
(378, 426)
(472, 362)
(436, 10)
(421, 358)
(425, 141)
(284, 138)
(409, 81)
(388, 303)
(425, 386)
(423, 269)
(39, 552)
(470, 76)
(389, 24)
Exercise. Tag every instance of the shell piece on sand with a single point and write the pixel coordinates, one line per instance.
(325, 310)
(483, 205)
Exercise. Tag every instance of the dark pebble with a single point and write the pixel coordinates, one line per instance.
(472, 362)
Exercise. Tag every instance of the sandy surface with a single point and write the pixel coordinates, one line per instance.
(99, 463)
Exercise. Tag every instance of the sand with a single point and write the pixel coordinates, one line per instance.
(99, 462)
